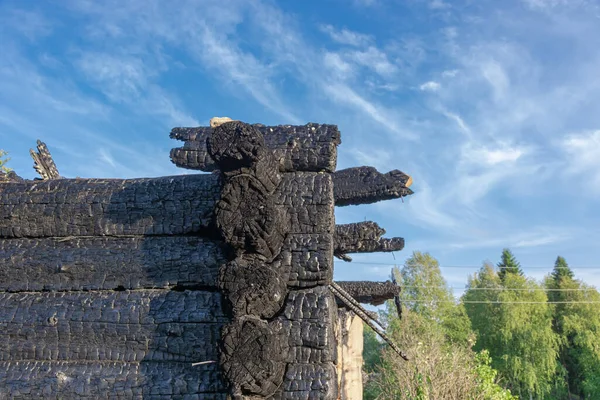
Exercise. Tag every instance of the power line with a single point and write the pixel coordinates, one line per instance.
(479, 266)
(500, 289)
(499, 302)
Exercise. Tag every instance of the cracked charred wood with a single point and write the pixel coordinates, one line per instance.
(173, 205)
(32, 379)
(9, 176)
(310, 259)
(310, 147)
(367, 292)
(254, 356)
(110, 326)
(363, 237)
(253, 287)
(94, 263)
(254, 224)
(365, 185)
(43, 162)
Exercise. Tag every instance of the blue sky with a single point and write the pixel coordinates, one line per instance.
(491, 106)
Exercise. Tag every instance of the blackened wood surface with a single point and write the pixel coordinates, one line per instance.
(364, 185)
(105, 207)
(309, 320)
(310, 259)
(109, 380)
(92, 263)
(9, 177)
(374, 293)
(363, 237)
(43, 162)
(311, 147)
(127, 326)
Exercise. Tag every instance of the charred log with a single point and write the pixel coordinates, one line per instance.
(173, 205)
(364, 185)
(363, 237)
(311, 147)
(374, 293)
(107, 263)
(43, 162)
(10, 176)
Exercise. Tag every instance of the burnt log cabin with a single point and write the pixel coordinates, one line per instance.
(201, 286)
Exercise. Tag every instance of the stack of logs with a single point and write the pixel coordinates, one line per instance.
(196, 286)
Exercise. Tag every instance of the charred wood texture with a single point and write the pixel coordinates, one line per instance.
(107, 207)
(374, 293)
(365, 185)
(141, 342)
(310, 147)
(95, 263)
(253, 351)
(99, 380)
(363, 237)
(10, 176)
(43, 162)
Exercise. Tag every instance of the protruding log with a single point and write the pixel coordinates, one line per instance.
(363, 237)
(43, 162)
(310, 147)
(365, 185)
(172, 205)
(108, 263)
(374, 293)
(253, 356)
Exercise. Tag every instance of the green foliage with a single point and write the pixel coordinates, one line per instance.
(561, 270)
(508, 264)
(3, 161)
(577, 324)
(486, 379)
(514, 323)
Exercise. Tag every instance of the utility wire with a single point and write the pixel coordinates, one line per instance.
(479, 266)
(499, 289)
(499, 302)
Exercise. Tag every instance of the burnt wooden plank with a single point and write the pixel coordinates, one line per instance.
(309, 258)
(365, 185)
(107, 207)
(310, 147)
(308, 200)
(118, 380)
(94, 263)
(363, 237)
(97, 326)
(308, 320)
(374, 293)
(310, 381)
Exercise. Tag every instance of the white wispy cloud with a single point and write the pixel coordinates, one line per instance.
(430, 86)
(346, 36)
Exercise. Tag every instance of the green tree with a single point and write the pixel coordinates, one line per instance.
(3, 161)
(436, 334)
(513, 321)
(576, 320)
(508, 264)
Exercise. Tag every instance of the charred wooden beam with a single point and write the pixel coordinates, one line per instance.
(108, 326)
(364, 185)
(363, 237)
(108, 207)
(10, 176)
(374, 293)
(107, 263)
(310, 147)
(33, 379)
(43, 162)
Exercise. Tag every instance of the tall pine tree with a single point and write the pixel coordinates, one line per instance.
(508, 264)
